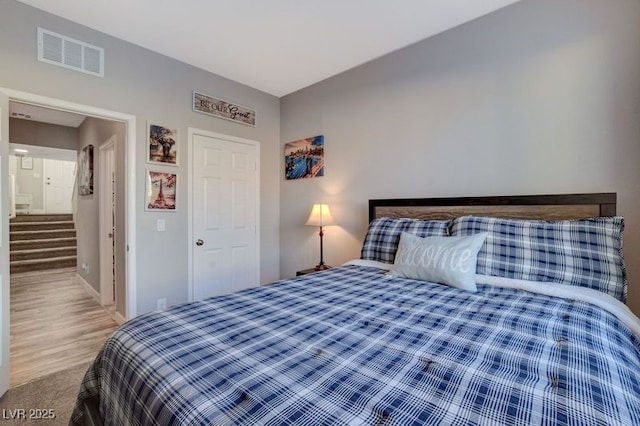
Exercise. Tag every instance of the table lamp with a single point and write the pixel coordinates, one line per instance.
(320, 216)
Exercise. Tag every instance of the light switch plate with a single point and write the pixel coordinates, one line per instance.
(161, 225)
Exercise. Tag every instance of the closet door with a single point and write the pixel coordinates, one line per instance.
(225, 215)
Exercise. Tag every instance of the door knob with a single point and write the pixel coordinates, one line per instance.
(199, 242)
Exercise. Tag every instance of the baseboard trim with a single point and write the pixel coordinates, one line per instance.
(119, 318)
(92, 291)
(116, 316)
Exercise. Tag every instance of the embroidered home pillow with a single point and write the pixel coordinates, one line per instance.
(383, 236)
(444, 260)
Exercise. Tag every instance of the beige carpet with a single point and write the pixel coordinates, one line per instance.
(55, 392)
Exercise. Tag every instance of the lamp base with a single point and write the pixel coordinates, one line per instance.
(321, 267)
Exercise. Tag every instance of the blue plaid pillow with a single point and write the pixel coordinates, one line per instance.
(586, 252)
(383, 236)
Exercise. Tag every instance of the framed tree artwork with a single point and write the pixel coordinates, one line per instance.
(162, 145)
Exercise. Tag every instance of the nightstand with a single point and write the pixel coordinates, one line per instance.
(309, 271)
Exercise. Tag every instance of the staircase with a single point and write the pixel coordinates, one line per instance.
(40, 242)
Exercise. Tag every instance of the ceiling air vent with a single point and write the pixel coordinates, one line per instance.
(66, 52)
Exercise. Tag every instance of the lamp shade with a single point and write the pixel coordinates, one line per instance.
(320, 216)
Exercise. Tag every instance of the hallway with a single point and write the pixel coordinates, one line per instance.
(55, 324)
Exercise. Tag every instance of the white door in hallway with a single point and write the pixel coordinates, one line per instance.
(4, 244)
(224, 214)
(59, 177)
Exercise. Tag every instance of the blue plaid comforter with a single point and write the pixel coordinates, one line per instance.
(351, 346)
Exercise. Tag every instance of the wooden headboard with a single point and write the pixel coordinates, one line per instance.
(546, 207)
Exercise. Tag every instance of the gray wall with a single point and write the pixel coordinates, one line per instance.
(153, 88)
(94, 131)
(42, 134)
(540, 97)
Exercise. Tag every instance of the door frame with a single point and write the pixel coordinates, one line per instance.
(106, 206)
(191, 132)
(130, 176)
(5, 308)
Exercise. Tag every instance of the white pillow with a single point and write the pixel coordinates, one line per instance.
(444, 260)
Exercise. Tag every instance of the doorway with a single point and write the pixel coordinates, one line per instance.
(129, 122)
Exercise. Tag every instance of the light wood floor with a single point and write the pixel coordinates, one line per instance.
(55, 324)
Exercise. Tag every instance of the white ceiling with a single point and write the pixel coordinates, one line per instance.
(277, 46)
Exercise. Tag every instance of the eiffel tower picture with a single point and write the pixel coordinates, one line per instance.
(160, 200)
(161, 191)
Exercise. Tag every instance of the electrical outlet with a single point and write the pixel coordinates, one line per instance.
(162, 304)
(85, 268)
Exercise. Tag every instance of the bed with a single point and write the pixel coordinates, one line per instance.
(536, 332)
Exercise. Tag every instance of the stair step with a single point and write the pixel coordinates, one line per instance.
(40, 242)
(40, 264)
(42, 218)
(40, 226)
(42, 253)
(41, 235)
(48, 243)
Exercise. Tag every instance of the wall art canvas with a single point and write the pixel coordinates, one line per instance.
(85, 171)
(223, 109)
(162, 145)
(304, 158)
(161, 191)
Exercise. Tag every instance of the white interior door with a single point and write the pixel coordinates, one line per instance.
(59, 177)
(106, 203)
(4, 244)
(225, 215)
